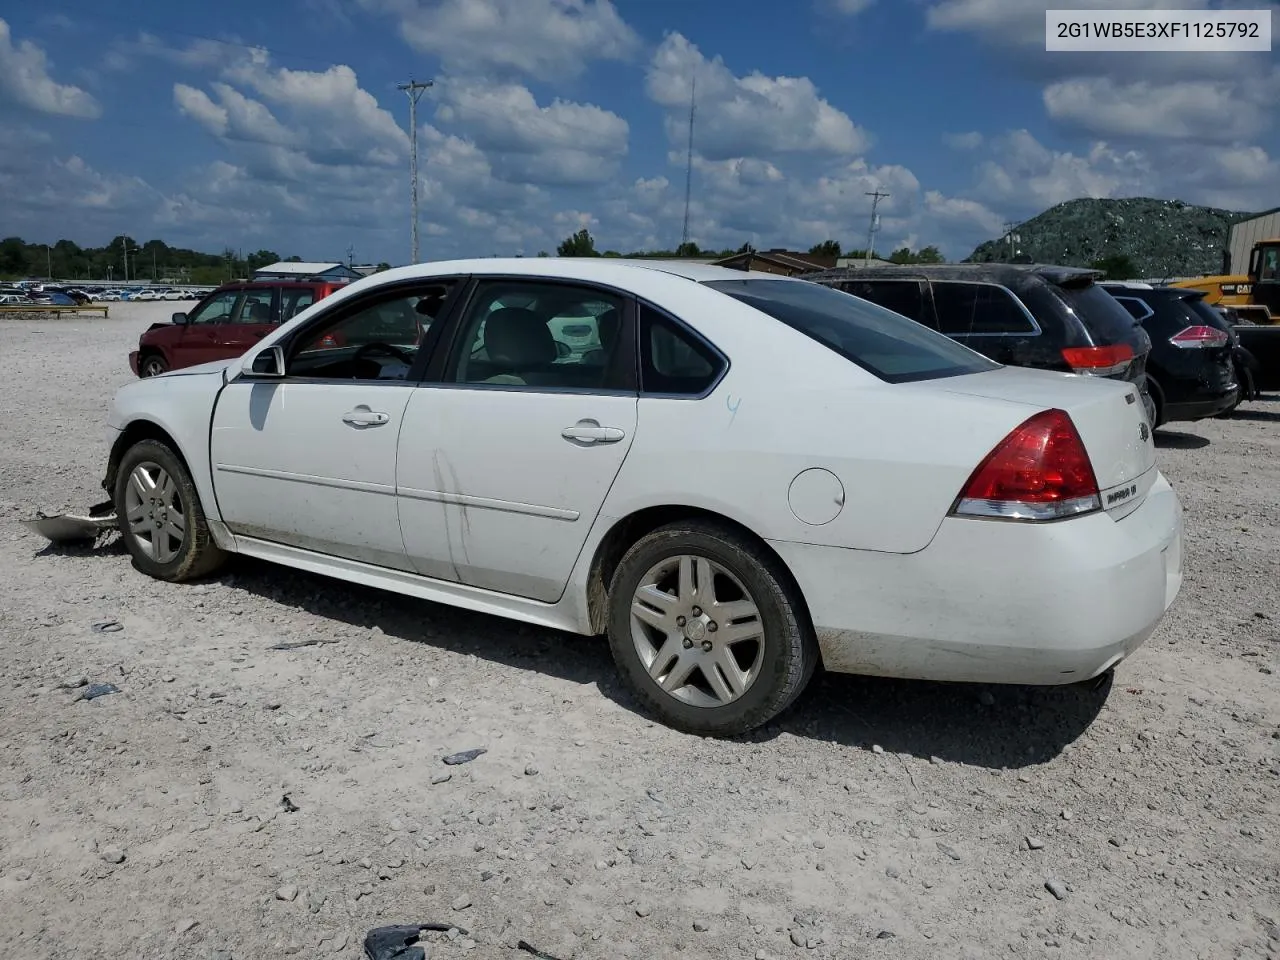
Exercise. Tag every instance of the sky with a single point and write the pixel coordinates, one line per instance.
(279, 124)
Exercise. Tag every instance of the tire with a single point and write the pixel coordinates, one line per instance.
(152, 365)
(1156, 411)
(181, 547)
(775, 653)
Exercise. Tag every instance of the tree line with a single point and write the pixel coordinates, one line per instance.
(582, 244)
(154, 260)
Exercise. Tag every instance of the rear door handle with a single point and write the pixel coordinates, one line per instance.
(364, 417)
(590, 431)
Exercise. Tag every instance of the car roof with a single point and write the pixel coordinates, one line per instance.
(1002, 273)
(579, 268)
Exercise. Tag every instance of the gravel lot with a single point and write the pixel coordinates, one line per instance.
(879, 819)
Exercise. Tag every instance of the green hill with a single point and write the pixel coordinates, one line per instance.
(1162, 238)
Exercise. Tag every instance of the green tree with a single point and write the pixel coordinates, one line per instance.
(1118, 267)
(581, 244)
(827, 248)
(383, 266)
(688, 249)
(930, 254)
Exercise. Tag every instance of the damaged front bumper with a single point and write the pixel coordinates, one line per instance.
(70, 527)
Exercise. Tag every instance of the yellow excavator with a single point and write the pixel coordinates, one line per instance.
(1252, 297)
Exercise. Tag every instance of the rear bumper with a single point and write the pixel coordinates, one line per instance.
(133, 362)
(998, 602)
(1201, 409)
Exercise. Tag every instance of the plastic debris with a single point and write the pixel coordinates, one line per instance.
(466, 756)
(399, 942)
(95, 690)
(108, 626)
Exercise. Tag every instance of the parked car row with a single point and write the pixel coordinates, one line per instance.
(1186, 357)
(736, 477)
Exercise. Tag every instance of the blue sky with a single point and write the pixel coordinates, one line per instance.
(278, 124)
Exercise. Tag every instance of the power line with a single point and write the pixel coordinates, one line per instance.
(414, 90)
(876, 197)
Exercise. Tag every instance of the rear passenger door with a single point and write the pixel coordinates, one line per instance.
(986, 317)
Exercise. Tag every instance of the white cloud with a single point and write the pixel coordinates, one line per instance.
(1022, 22)
(546, 39)
(1025, 174)
(562, 143)
(25, 80)
(957, 210)
(963, 141)
(1201, 110)
(751, 115)
(850, 8)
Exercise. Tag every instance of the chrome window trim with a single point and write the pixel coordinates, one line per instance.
(1146, 306)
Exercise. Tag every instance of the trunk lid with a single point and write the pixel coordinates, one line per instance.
(1107, 413)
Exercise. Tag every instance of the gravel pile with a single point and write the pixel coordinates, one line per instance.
(233, 800)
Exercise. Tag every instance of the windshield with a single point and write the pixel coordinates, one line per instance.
(880, 341)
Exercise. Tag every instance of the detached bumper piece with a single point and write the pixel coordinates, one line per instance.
(70, 527)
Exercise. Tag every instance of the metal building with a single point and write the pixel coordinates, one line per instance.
(1265, 226)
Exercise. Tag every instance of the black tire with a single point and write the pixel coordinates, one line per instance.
(1157, 402)
(788, 649)
(197, 555)
(152, 365)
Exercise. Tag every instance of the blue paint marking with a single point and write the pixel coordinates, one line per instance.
(733, 407)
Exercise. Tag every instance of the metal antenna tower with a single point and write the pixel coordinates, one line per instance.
(414, 89)
(876, 197)
(688, 170)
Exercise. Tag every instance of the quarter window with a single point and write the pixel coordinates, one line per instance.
(672, 360)
(1137, 308)
(969, 308)
(541, 336)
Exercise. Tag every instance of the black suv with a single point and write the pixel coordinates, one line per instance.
(1022, 315)
(1192, 367)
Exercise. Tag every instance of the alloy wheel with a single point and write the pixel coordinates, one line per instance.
(697, 630)
(154, 512)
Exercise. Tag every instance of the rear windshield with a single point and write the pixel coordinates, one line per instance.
(885, 343)
(1104, 318)
(1207, 314)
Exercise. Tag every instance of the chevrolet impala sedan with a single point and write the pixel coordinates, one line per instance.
(741, 479)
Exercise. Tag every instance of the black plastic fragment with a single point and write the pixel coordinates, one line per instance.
(289, 805)
(398, 942)
(530, 948)
(108, 626)
(466, 756)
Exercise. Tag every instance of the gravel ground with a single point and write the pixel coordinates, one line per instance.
(879, 819)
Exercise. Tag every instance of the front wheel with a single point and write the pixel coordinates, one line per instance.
(152, 365)
(707, 629)
(160, 516)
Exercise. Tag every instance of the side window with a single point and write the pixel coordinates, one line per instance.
(900, 296)
(256, 306)
(378, 339)
(672, 360)
(969, 308)
(218, 309)
(534, 334)
(1270, 264)
(1138, 309)
(294, 300)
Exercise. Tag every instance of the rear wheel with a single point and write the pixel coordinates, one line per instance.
(708, 630)
(152, 365)
(1153, 401)
(160, 517)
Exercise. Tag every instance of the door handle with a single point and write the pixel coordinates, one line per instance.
(590, 431)
(364, 417)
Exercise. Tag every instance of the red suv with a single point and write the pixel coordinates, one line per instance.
(225, 324)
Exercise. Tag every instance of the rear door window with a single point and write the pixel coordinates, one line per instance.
(900, 296)
(1138, 309)
(1106, 321)
(965, 309)
(885, 343)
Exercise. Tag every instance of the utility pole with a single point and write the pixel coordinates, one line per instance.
(688, 169)
(124, 248)
(1013, 238)
(48, 251)
(414, 90)
(876, 197)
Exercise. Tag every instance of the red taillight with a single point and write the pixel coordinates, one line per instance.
(1098, 361)
(1040, 471)
(1199, 338)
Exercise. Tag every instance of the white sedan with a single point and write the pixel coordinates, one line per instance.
(750, 477)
